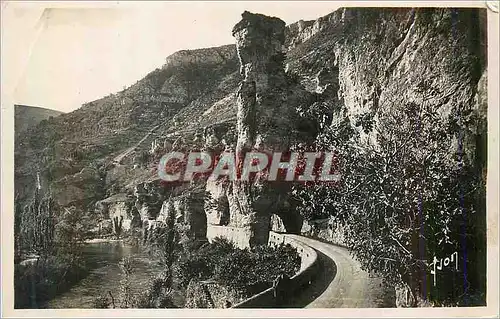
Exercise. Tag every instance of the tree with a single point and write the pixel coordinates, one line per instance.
(127, 269)
(408, 193)
(71, 231)
(169, 239)
(117, 225)
(37, 224)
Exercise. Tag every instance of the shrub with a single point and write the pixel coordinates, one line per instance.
(158, 294)
(127, 269)
(411, 193)
(101, 302)
(39, 282)
(247, 271)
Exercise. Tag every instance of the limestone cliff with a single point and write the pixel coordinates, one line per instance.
(378, 60)
(354, 64)
(291, 82)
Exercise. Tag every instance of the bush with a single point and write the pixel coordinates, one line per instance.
(37, 283)
(200, 263)
(412, 192)
(101, 302)
(247, 271)
(158, 294)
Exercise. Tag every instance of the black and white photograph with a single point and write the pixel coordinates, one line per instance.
(266, 155)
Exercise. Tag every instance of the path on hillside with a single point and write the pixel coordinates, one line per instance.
(340, 282)
(122, 155)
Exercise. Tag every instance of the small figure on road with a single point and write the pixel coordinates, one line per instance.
(280, 288)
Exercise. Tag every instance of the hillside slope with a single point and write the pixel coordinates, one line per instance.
(73, 151)
(27, 117)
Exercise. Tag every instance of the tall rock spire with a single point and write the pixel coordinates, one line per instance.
(263, 118)
(260, 44)
(267, 121)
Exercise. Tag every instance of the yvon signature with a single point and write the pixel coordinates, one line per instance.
(447, 261)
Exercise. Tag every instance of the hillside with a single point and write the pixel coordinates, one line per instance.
(27, 117)
(91, 136)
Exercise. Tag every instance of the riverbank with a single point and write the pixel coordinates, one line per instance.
(105, 274)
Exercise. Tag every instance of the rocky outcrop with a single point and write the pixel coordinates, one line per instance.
(216, 204)
(188, 212)
(301, 31)
(277, 224)
(219, 137)
(380, 60)
(148, 200)
(327, 229)
(356, 64)
(185, 58)
(160, 207)
(266, 122)
(119, 209)
(386, 62)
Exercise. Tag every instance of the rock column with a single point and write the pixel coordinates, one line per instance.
(259, 41)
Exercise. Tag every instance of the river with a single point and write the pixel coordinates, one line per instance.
(105, 274)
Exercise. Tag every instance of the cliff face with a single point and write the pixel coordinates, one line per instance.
(353, 65)
(370, 65)
(379, 60)
(266, 121)
(279, 86)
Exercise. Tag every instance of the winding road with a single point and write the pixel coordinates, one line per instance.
(340, 282)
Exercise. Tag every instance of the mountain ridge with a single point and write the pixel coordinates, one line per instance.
(27, 116)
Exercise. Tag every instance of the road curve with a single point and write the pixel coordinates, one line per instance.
(340, 281)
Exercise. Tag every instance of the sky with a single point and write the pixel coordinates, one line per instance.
(61, 56)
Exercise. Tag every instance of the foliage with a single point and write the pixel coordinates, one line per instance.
(165, 239)
(200, 263)
(37, 224)
(158, 294)
(117, 225)
(127, 269)
(244, 270)
(55, 236)
(408, 193)
(71, 230)
(251, 271)
(38, 282)
(101, 302)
